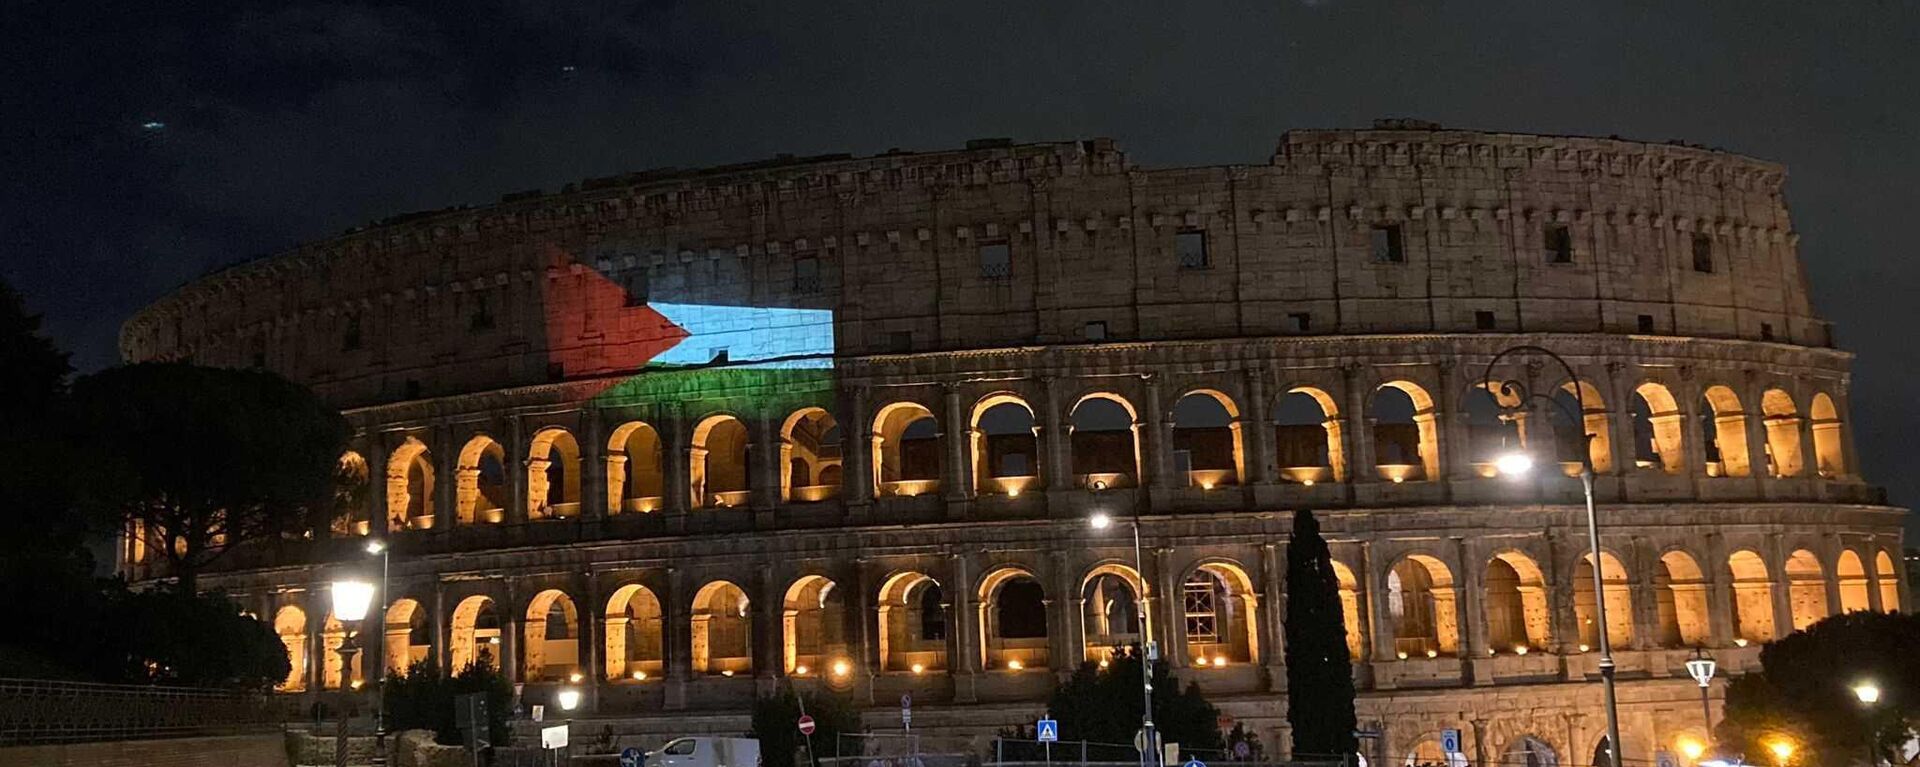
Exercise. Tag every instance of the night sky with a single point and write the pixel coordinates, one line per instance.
(145, 144)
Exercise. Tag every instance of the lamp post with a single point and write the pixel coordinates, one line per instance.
(351, 598)
(569, 699)
(1869, 695)
(377, 546)
(1521, 464)
(1701, 668)
(1149, 751)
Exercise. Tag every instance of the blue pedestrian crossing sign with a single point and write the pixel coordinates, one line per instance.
(1047, 731)
(631, 757)
(1194, 763)
(1450, 741)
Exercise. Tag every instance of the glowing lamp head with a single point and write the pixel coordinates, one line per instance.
(376, 546)
(1100, 520)
(1513, 464)
(569, 699)
(1782, 749)
(1692, 748)
(842, 668)
(351, 599)
(1867, 692)
(575, 677)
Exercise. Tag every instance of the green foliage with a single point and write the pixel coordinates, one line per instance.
(1256, 751)
(776, 725)
(207, 459)
(1102, 705)
(424, 698)
(196, 640)
(1319, 673)
(1804, 690)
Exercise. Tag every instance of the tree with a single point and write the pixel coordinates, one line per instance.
(776, 724)
(175, 637)
(423, 699)
(205, 460)
(1804, 690)
(1319, 674)
(1102, 705)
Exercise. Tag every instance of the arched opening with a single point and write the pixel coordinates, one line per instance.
(1590, 434)
(1105, 442)
(1529, 751)
(1782, 422)
(813, 622)
(290, 623)
(1006, 451)
(719, 463)
(1830, 459)
(1421, 602)
(906, 451)
(1306, 437)
(351, 481)
(480, 489)
(1496, 424)
(407, 635)
(913, 624)
(1602, 753)
(1350, 611)
(410, 487)
(722, 630)
(1889, 582)
(1516, 599)
(551, 638)
(1658, 429)
(334, 675)
(1617, 592)
(635, 634)
(1806, 588)
(1406, 446)
(1851, 574)
(1111, 610)
(1680, 591)
(1013, 621)
(475, 630)
(636, 481)
(1427, 753)
(1207, 448)
(553, 475)
(1752, 597)
(1218, 606)
(810, 449)
(1724, 427)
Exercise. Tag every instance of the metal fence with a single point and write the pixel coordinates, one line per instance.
(40, 711)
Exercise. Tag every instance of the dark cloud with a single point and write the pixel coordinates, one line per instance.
(291, 122)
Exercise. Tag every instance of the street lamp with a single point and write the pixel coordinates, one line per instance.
(1519, 464)
(351, 598)
(1782, 750)
(375, 546)
(569, 699)
(1149, 748)
(1701, 668)
(1869, 694)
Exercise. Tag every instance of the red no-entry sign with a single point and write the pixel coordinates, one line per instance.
(806, 725)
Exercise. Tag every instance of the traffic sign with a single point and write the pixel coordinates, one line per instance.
(1047, 731)
(1450, 741)
(1195, 763)
(631, 757)
(906, 700)
(553, 737)
(1241, 750)
(806, 725)
(1663, 759)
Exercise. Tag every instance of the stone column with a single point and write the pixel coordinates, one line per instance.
(1159, 445)
(677, 485)
(1064, 645)
(1775, 555)
(379, 479)
(1359, 438)
(1646, 611)
(1696, 445)
(517, 455)
(1170, 628)
(1455, 459)
(1720, 594)
(446, 476)
(956, 437)
(856, 477)
(593, 466)
(677, 639)
(1756, 434)
(863, 616)
(592, 650)
(317, 611)
(1056, 439)
(440, 634)
(1256, 437)
(765, 446)
(769, 640)
(1474, 631)
(963, 661)
(1273, 560)
(1620, 438)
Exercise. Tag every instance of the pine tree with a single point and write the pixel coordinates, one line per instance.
(1319, 675)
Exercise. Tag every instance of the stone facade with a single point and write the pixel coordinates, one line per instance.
(1022, 336)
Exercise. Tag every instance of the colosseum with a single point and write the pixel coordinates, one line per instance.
(683, 437)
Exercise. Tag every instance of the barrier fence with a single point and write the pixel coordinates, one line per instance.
(36, 711)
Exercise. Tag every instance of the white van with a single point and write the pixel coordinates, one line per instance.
(706, 752)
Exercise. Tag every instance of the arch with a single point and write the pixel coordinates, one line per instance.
(553, 475)
(351, 481)
(1529, 751)
(906, 450)
(1207, 441)
(1110, 613)
(1889, 582)
(1219, 611)
(1422, 604)
(1350, 610)
(1806, 588)
(1583, 398)
(1307, 437)
(290, 623)
(480, 482)
(475, 634)
(1405, 438)
(1495, 424)
(1752, 596)
(1830, 458)
(1426, 752)
(1680, 597)
(634, 634)
(1104, 441)
(913, 623)
(550, 641)
(722, 630)
(1658, 429)
(718, 463)
(636, 479)
(811, 451)
(1006, 445)
(1782, 423)
(334, 674)
(1724, 427)
(407, 635)
(410, 487)
(1013, 620)
(1851, 575)
(1516, 604)
(1619, 601)
(813, 627)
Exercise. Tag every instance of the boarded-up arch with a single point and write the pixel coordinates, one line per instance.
(550, 644)
(410, 487)
(1105, 441)
(718, 462)
(1806, 588)
(1423, 606)
(635, 634)
(1207, 439)
(906, 450)
(1782, 422)
(1724, 426)
(1515, 597)
(1006, 449)
(1658, 429)
(1752, 596)
(1309, 445)
(913, 623)
(811, 456)
(1619, 601)
(1406, 440)
(636, 475)
(1680, 593)
(480, 482)
(553, 475)
(1829, 455)
(290, 623)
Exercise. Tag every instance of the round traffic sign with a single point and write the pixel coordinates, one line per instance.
(806, 725)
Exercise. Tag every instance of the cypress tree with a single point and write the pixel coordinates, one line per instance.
(1319, 675)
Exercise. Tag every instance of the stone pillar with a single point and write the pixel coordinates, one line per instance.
(1473, 610)
(677, 644)
(1064, 645)
(856, 477)
(1756, 429)
(1169, 624)
(1646, 611)
(1256, 436)
(1273, 561)
(678, 482)
(1159, 444)
(1720, 594)
(863, 627)
(593, 466)
(764, 469)
(378, 481)
(446, 476)
(1381, 625)
(769, 640)
(317, 611)
(440, 634)
(592, 652)
(1056, 439)
(1455, 459)
(1620, 438)
(517, 453)
(1776, 558)
(1359, 437)
(1695, 436)
(963, 661)
(956, 437)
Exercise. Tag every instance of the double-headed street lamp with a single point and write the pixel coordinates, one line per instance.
(1149, 748)
(1516, 464)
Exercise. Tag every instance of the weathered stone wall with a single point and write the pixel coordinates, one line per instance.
(229, 751)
